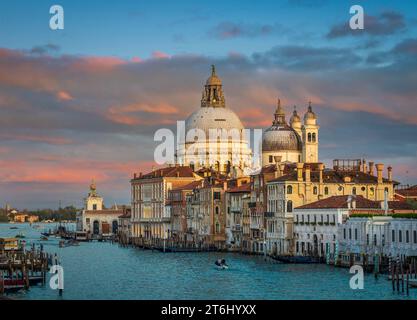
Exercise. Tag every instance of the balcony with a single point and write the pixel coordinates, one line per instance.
(255, 225)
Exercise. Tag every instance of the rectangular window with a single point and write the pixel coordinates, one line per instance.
(356, 234)
(350, 234)
(407, 237)
(415, 236)
(393, 236)
(344, 233)
(400, 236)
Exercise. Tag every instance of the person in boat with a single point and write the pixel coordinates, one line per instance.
(221, 263)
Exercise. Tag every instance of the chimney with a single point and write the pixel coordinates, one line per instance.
(389, 173)
(379, 168)
(277, 160)
(300, 171)
(134, 175)
(140, 174)
(307, 170)
(225, 185)
(371, 168)
(281, 169)
(321, 168)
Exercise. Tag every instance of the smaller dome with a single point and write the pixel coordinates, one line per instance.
(310, 115)
(280, 136)
(295, 117)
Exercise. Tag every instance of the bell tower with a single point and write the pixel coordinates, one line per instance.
(310, 136)
(93, 200)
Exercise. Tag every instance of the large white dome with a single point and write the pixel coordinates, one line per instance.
(213, 118)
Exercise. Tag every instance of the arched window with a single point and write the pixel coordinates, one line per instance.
(217, 227)
(309, 137)
(326, 190)
(354, 190)
(315, 190)
(289, 190)
(314, 137)
(217, 210)
(289, 206)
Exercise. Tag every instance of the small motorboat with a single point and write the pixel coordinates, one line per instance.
(221, 264)
(13, 228)
(44, 238)
(20, 235)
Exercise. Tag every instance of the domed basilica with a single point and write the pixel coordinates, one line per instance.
(206, 145)
(296, 142)
(214, 135)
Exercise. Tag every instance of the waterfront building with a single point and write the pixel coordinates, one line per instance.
(97, 220)
(177, 209)
(296, 142)
(150, 217)
(258, 204)
(316, 225)
(389, 233)
(125, 225)
(235, 208)
(207, 213)
(223, 146)
(24, 217)
(310, 182)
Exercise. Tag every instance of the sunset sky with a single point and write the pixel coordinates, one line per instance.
(84, 102)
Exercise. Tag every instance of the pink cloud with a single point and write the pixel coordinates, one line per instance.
(160, 55)
(63, 96)
(44, 139)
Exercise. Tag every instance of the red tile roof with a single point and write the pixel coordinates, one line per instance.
(178, 171)
(409, 192)
(244, 188)
(337, 202)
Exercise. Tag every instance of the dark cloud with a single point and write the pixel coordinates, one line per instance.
(48, 48)
(404, 51)
(387, 23)
(230, 30)
(305, 58)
